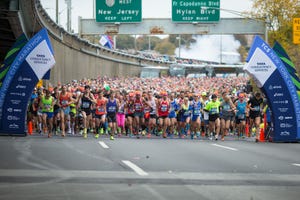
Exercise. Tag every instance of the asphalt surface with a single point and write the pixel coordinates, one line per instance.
(37, 167)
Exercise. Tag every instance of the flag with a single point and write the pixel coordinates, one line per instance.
(281, 53)
(11, 55)
(106, 41)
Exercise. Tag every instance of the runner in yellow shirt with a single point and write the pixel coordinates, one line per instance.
(213, 107)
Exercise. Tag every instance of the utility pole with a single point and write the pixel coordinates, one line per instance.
(69, 14)
(56, 12)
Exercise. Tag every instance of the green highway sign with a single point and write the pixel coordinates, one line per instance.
(195, 11)
(122, 11)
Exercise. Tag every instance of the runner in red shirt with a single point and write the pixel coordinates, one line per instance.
(163, 108)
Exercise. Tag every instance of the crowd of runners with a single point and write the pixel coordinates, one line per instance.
(157, 107)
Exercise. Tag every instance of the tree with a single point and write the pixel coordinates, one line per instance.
(165, 47)
(125, 42)
(279, 16)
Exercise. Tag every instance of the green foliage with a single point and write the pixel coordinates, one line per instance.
(125, 42)
(165, 47)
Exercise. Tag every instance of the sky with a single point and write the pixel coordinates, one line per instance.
(208, 47)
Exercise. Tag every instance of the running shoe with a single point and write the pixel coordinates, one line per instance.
(112, 137)
(143, 132)
(101, 131)
(84, 135)
(192, 136)
(149, 135)
(175, 132)
(97, 136)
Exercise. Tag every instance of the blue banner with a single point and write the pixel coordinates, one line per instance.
(31, 64)
(11, 55)
(271, 75)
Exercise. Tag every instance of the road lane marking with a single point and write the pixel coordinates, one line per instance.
(104, 146)
(295, 164)
(135, 168)
(225, 147)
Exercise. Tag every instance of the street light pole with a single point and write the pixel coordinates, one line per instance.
(179, 45)
(56, 12)
(69, 7)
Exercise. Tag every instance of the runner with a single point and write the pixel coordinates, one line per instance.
(241, 112)
(112, 109)
(47, 104)
(214, 116)
(174, 107)
(65, 99)
(86, 99)
(205, 127)
(254, 105)
(227, 108)
(138, 113)
(129, 110)
(187, 110)
(163, 108)
(56, 111)
(121, 115)
(152, 102)
(196, 116)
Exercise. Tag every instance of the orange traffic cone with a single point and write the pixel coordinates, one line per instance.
(262, 135)
(247, 130)
(29, 127)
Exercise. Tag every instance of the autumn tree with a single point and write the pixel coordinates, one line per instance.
(279, 15)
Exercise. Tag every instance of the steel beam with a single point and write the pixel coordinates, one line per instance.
(166, 26)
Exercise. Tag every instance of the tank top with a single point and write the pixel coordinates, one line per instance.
(64, 100)
(226, 109)
(85, 103)
(130, 108)
(121, 108)
(163, 109)
(197, 108)
(138, 105)
(47, 104)
(153, 107)
(111, 106)
(100, 109)
(241, 109)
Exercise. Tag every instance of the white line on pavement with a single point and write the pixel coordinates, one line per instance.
(295, 164)
(230, 148)
(103, 145)
(135, 168)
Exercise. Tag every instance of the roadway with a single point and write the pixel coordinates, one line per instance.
(37, 167)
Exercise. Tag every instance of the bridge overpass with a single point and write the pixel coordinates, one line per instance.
(76, 58)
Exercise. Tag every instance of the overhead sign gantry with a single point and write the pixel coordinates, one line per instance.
(188, 17)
